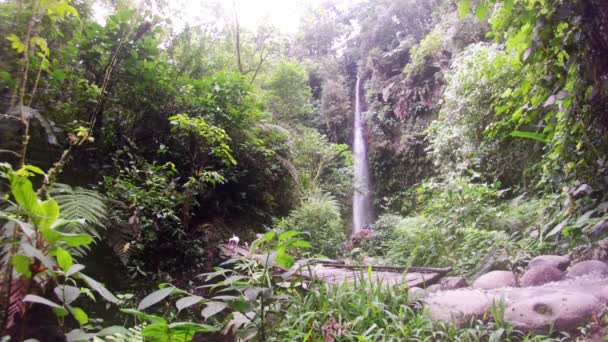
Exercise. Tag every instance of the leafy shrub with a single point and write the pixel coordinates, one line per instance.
(319, 216)
(466, 226)
(368, 311)
(147, 231)
(458, 139)
(425, 52)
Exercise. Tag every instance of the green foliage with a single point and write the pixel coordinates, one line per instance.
(368, 311)
(458, 139)
(467, 226)
(288, 95)
(79, 203)
(204, 141)
(549, 85)
(34, 240)
(424, 52)
(145, 216)
(321, 165)
(319, 217)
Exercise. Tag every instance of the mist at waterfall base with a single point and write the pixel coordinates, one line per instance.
(362, 197)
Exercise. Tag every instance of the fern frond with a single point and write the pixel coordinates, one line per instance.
(79, 203)
(120, 240)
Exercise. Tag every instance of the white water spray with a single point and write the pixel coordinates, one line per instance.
(362, 197)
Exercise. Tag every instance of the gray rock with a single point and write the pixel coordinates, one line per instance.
(557, 261)
(459, 306)
(433, 288)
(562, 310)
(453, 283)
(541, 275)
(582, 191)
(588, 267)
(600, 252)
(599, 230)
(416, 294)
(496, 279)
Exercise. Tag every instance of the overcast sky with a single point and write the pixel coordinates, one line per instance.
(283, 14)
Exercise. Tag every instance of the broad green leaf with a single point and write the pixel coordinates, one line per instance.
(72, 240)
(113, 330)
(100, 289)
(154, 298)
(45, 214)
(40, 300)
(29, 170)
(59, 75)
(16, 43)
(301, 244)
(289, 234)
(78, 335)
(21, 264)
(158, 332)
(42, 44)
(213, 308)
(464, 7)
(26, 228)
(144, 316)
(482, 9)
(269, 236)
(32, 252)
(64, 259)
(186, 302)
(60, 311)
(74, 269)
(192, 327)
(285, 260)
(241, 305)
(23, 191)
(8, 79)
(529, 135)
(66, 293)
(80, 315)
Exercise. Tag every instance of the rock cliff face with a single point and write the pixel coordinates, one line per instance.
(595, 17)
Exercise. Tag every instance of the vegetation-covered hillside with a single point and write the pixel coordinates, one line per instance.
(135, 142)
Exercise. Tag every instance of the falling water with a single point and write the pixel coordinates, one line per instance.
(362, 204)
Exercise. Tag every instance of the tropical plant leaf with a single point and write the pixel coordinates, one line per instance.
(529, 135)
(213, 308)
(186, 302)
(40, 300)
(154, 298)
(67, 293)
(107, 295)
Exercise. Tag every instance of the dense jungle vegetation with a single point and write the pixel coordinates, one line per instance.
(132, 147)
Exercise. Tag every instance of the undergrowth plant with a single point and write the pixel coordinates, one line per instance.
(37, 266)
(372, 311)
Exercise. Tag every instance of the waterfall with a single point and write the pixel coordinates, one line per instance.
(362, 197)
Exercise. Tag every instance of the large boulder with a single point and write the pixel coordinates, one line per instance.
(433, 288)
(458, 306)
(557, 261)
(563, 310)
(416, 294)
(453, 283)
(588, 267)
(540, 275)
(496, 279)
